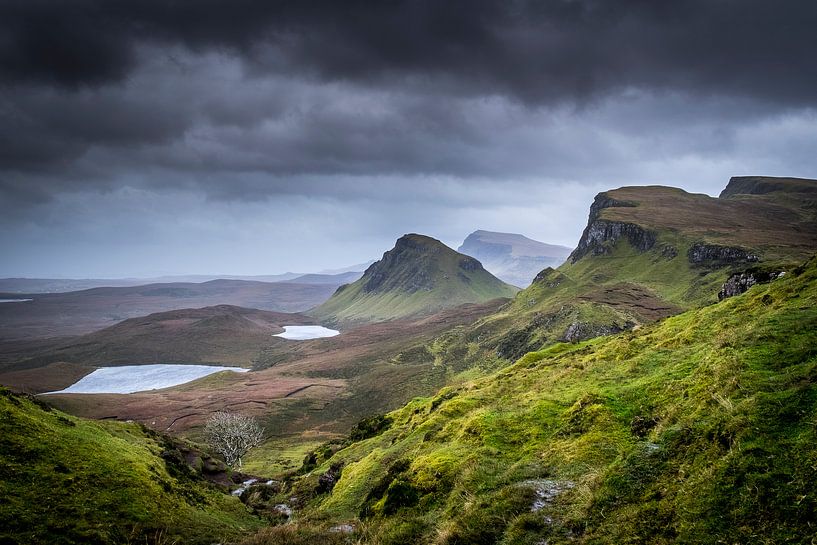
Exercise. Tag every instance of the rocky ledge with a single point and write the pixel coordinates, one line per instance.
(741, 282)
(600, 234)
(718, 256)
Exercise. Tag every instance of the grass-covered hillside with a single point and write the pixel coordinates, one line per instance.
(419, 276)
(701, 428)
(68, 480)
(648, 253)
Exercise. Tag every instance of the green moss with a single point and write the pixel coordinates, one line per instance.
(698, 429)
(68, 480)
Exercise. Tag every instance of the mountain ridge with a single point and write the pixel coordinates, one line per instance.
(419, 275)
(648, 252)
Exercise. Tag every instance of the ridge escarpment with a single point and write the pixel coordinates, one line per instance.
(646, 253)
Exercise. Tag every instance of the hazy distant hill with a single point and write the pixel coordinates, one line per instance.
(63, 285)
(514, 258)
(325, 278)
(78, 312)
(222, 334)
(420, 275)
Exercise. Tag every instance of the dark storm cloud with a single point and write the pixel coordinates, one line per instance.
(309, 126)
(534, 51)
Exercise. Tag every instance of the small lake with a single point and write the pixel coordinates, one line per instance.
(127, 379)
(15, 300)
(306, 332)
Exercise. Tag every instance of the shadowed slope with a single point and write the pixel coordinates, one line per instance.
(419, 276)
(68, 480)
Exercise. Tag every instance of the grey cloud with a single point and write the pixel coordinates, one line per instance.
(535, 51)
(128, 120)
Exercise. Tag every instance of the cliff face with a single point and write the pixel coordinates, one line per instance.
(716, 255)
(600, 234)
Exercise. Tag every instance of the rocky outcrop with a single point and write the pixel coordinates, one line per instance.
(600, 235)
(550, 278)
(741, 282)
(582, 331)
(719, 256)
(327, 481)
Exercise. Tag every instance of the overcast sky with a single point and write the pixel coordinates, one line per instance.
(255, 137)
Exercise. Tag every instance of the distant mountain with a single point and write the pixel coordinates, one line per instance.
(221, 334)
(63, 285)
(514, 258)
(325, 278)
(352, 268)
(420, 275)
(78, 312)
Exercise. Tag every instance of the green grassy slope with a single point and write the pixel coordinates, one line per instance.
(699, 429)
(636, 261)
(419, 276)
(68, 480)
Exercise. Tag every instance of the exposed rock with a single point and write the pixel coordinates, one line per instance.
(327, 481)
(342, 529)
(741, 282)
(669, 252)
(549, 277)
(599, 231)
(581, 331)
(718, 256)
(602, 201)
(546, 491)
(283, 509)
(640, 426)
(737, 284)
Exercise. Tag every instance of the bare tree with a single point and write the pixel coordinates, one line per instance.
(232, 435)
